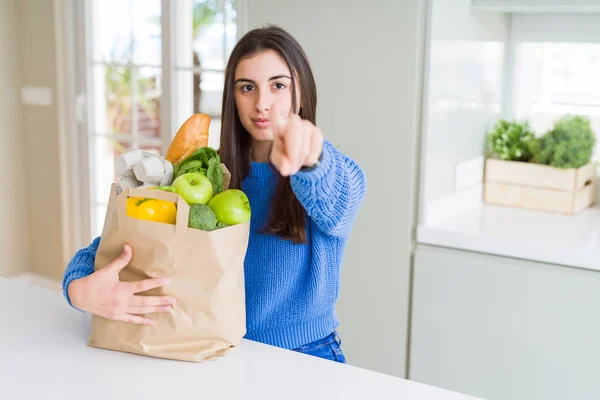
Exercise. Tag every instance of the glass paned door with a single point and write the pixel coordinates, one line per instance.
(148, 65)
(205, 35)
(124, 62)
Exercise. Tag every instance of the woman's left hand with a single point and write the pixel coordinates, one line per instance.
(296, 143)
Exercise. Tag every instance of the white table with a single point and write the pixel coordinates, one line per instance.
(44, 355)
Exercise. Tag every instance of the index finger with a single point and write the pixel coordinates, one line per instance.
(146, 284)
(279, 126)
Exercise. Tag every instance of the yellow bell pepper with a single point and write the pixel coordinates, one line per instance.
(152, 210)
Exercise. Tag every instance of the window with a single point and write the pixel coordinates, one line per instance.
(139, 87)
(553, 79)
(202, 46)
(556, 70)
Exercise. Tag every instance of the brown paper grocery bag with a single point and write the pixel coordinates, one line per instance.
(206, 271)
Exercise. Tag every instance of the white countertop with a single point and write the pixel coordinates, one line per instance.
(44, 355)
(572, 240)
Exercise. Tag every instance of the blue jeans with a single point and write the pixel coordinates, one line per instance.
(327, 348)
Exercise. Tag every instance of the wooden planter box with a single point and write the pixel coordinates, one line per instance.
(539, 187)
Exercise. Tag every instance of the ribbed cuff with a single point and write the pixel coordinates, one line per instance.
(80, 266)
(294, 336)
(68, 278)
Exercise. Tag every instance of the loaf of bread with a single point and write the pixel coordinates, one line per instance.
(190, 136)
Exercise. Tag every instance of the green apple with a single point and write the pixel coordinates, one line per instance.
(194, 188)
(166, 189)
(231, 207)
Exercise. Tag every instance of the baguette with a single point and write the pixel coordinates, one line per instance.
(192, 135)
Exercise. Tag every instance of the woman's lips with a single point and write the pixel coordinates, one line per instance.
(262, 123)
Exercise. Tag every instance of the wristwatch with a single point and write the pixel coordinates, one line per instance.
(312, 167)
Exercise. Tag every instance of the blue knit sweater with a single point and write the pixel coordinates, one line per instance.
(291, 289)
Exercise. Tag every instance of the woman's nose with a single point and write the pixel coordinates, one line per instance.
(263, 102)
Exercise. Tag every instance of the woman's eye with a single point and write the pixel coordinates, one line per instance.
(279, 86)
(247, 88)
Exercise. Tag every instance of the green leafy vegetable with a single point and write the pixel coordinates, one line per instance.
(206, 161)
(199, 161)
(192, 166)
(203, 154)
(215, 175)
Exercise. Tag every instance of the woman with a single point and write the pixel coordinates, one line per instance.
(304, 196)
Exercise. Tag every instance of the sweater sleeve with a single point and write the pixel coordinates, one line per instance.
(80, 266)
(332, 193)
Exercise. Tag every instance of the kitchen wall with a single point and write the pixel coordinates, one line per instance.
(14, 220)
(463, 97)
(368, 66)
(40, 125)
(32, 236)
(366, 60)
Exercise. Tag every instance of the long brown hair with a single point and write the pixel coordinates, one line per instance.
(287, 219)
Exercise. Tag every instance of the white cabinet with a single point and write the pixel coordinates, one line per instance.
(503, 328)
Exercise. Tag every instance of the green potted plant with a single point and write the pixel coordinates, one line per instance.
(569, 145)
(510, 141)
(553, 172)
